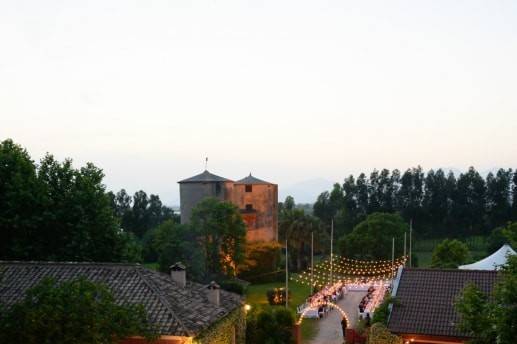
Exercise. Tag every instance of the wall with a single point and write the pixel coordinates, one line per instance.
(193, 193)
(262, 222)
(229, 330)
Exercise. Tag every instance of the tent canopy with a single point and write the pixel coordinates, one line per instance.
(492, 262)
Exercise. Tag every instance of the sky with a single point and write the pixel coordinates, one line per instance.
(293, 91)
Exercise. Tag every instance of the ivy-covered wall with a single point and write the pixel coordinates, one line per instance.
(222, 331)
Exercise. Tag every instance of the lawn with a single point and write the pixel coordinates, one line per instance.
(256, 297)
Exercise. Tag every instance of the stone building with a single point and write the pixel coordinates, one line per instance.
(256, 199)
(182, 311)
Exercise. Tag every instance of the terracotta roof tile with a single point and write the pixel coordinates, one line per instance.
(176, 311)
(426, 300)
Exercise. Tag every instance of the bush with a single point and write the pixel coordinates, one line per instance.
(233, 286)
(77, 311)
(276, 296)
(261, 262)
(450, 254)
(270, 326)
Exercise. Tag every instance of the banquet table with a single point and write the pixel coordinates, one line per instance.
(311, 313)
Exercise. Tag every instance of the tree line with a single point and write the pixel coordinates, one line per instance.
(439, 203)
(54, 211)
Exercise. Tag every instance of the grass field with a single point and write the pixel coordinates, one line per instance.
(423, 249)
(256, 297)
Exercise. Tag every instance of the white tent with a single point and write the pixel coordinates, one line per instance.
(492, 262)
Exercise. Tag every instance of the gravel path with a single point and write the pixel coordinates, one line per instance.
(329, 328)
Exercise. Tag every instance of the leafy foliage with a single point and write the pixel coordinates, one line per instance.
(178, 243)
(141, 213)
(491, 319)
(382, 312)
(296, 226)
(510, 233)
(372, 238)
(221, 230)
(54, 211)
(270, 326)
(450, 254)
(77, 311)
(222, 332)
(262, 258)
(438, 203)
(379, 334)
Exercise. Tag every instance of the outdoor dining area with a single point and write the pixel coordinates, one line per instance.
(374, 296)
(318, 305)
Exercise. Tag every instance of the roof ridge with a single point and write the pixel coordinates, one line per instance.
(50, 262)
(450, 269)
(163, 300)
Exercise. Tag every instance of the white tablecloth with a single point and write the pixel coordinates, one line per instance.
(311, 313)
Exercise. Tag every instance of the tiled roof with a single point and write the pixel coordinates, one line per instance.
(427, 296)
(205, 177)
(251, 180)
(176, 311)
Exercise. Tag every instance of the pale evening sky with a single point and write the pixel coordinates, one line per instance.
(290, 90)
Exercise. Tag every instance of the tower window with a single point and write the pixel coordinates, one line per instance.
(248, 188)
(249, 207)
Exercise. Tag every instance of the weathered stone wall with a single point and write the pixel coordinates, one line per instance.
(193, 193)
(262, 220)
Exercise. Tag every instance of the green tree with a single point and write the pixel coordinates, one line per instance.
(435, 202)
(475, 314)
(379, 334)
(175, 242)
(223, 234)
(514, 196)
(20, 204)
(449, 254)
(268, 326)
(362, 195)
(77, 223)
(411, 193)
(382, 312)
(495, 240)
(510, 233)
(322, 208)
(297, 227)
(470, 202)
(372, 238)
(491, 319)
(498, 196)
(77, 311)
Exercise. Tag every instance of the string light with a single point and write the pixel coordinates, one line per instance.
(350, 271)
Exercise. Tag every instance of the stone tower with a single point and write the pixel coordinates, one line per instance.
(258, 202)
(256, 199)
(194, 189)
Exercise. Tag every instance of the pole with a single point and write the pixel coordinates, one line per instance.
(393, 255)
(404, 245)
(410, 241)
(312, 262)
(392, 250)
(286, 276)
(331, 250)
